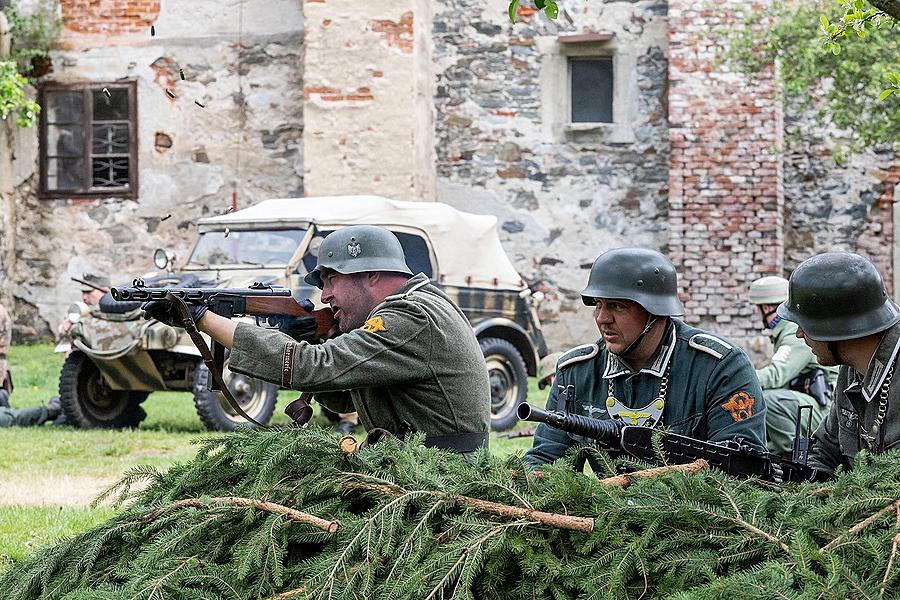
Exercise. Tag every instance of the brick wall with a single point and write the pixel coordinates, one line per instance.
(725, 182)
(110, 17)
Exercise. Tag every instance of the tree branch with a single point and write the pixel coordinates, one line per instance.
(292, 514)
(891, 7)
(860, 526)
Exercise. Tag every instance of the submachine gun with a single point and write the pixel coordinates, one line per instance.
(731, 457)
(268, 303)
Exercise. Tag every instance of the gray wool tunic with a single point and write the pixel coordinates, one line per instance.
(414, 366)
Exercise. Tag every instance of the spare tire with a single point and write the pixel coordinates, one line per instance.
(89, 402)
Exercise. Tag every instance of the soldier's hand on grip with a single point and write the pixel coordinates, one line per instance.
(161, 310)
(302, 329)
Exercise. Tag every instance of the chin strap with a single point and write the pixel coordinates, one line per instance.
(184, 314)
(651, 320)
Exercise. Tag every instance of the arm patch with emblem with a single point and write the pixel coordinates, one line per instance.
(374, 325)
(710, 345)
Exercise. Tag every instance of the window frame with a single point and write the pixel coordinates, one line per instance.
(87, 89)
(607, 58)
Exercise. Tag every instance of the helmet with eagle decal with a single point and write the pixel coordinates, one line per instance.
(358, 249)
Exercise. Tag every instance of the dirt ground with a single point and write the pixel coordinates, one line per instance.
(52, 490)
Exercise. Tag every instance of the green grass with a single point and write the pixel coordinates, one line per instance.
(50, 452)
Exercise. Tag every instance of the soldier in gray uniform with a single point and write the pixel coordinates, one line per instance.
(649, 368)
(845, 316)
(792, 378)
(407, 360)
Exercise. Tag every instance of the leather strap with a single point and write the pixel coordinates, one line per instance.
(458, 442)
(184, 314)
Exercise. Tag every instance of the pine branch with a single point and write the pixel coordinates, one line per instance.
(625, 480)
(585, 524)
(294, 515)
(860, 526)
(890, 564)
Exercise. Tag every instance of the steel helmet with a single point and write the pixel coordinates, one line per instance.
(769, 290)
(359, 249)
(643, 276)
(838, 296)
(547, 369)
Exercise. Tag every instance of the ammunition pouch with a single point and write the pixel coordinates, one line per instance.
(813, 383)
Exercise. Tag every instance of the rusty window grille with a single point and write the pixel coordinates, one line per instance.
(89, 140)
(591, 89)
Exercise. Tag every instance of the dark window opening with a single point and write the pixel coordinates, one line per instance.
(591, 89)
(88, 140)
(415, 248)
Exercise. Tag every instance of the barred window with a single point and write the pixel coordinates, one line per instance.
(89, 140)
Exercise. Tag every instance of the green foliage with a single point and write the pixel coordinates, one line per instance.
(12, 96)
(33, 34)
(548, 7)
(405, 534)
(845, 91)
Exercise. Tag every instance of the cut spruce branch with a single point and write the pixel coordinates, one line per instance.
(290, 513)
(860, 526)
(496, 509)
(627, 479)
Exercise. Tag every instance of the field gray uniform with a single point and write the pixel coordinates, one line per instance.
(791, 358)
(22, 417)
(415, 366)
(858, 402)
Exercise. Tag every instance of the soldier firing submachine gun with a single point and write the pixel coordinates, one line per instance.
(731, 457)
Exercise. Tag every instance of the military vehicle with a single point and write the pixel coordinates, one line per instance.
(118, 358)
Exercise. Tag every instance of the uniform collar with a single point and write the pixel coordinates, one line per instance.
(616, 366)
(884, 357)
(411, 285)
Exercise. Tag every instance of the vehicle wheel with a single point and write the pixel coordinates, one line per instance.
(508, 378)
(88, 401)
(255, 396)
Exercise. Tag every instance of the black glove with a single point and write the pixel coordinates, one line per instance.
(302, 329)
(161, 310)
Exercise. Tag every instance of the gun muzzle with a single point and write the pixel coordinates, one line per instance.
(608, 431)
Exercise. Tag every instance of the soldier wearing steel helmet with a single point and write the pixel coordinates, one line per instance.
(843, 313)
(408, 360)
(649, 368)
(792, 378)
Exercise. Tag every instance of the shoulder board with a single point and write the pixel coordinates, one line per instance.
(578, 354)
(710, 344)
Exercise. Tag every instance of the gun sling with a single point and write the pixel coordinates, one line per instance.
(185, 315)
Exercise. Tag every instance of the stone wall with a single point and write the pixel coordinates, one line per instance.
(248, 133)
(562, 196)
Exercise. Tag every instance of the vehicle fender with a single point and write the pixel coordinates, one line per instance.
(512, 332)
(128, 368)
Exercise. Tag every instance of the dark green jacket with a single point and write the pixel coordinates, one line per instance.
(847, 428)
(712, 391)
(415, 366)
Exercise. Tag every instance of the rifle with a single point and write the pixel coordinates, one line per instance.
(731, 457)
(260, 300)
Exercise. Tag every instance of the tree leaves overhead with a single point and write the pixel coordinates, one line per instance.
(413, 526)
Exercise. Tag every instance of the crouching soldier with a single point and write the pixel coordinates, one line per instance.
(649, 368)
(845, 316)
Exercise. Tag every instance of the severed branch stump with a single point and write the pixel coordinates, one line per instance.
(626, 479)
(290, 513)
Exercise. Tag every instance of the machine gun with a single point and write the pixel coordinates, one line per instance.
(731, 457)
(265, 302)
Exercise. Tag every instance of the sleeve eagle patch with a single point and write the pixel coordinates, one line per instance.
(740, 406)
(374, 325)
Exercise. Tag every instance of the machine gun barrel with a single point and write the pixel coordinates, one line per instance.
(607, 431)
(194, 295)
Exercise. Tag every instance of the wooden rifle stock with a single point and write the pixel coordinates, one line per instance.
(287, 306)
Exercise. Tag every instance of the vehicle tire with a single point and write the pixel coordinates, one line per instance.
(509, 381)
(88, 402)
(255, 396)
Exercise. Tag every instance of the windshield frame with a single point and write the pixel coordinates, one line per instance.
(282, 263)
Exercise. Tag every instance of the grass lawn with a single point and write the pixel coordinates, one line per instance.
(49, 474)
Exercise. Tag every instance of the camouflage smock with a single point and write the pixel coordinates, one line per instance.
(5, 342)
(860, 402)
(712, 391)
(414, 366)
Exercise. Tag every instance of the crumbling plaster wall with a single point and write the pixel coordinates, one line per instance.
(562, 197)
(369, 113)
(258, 147)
